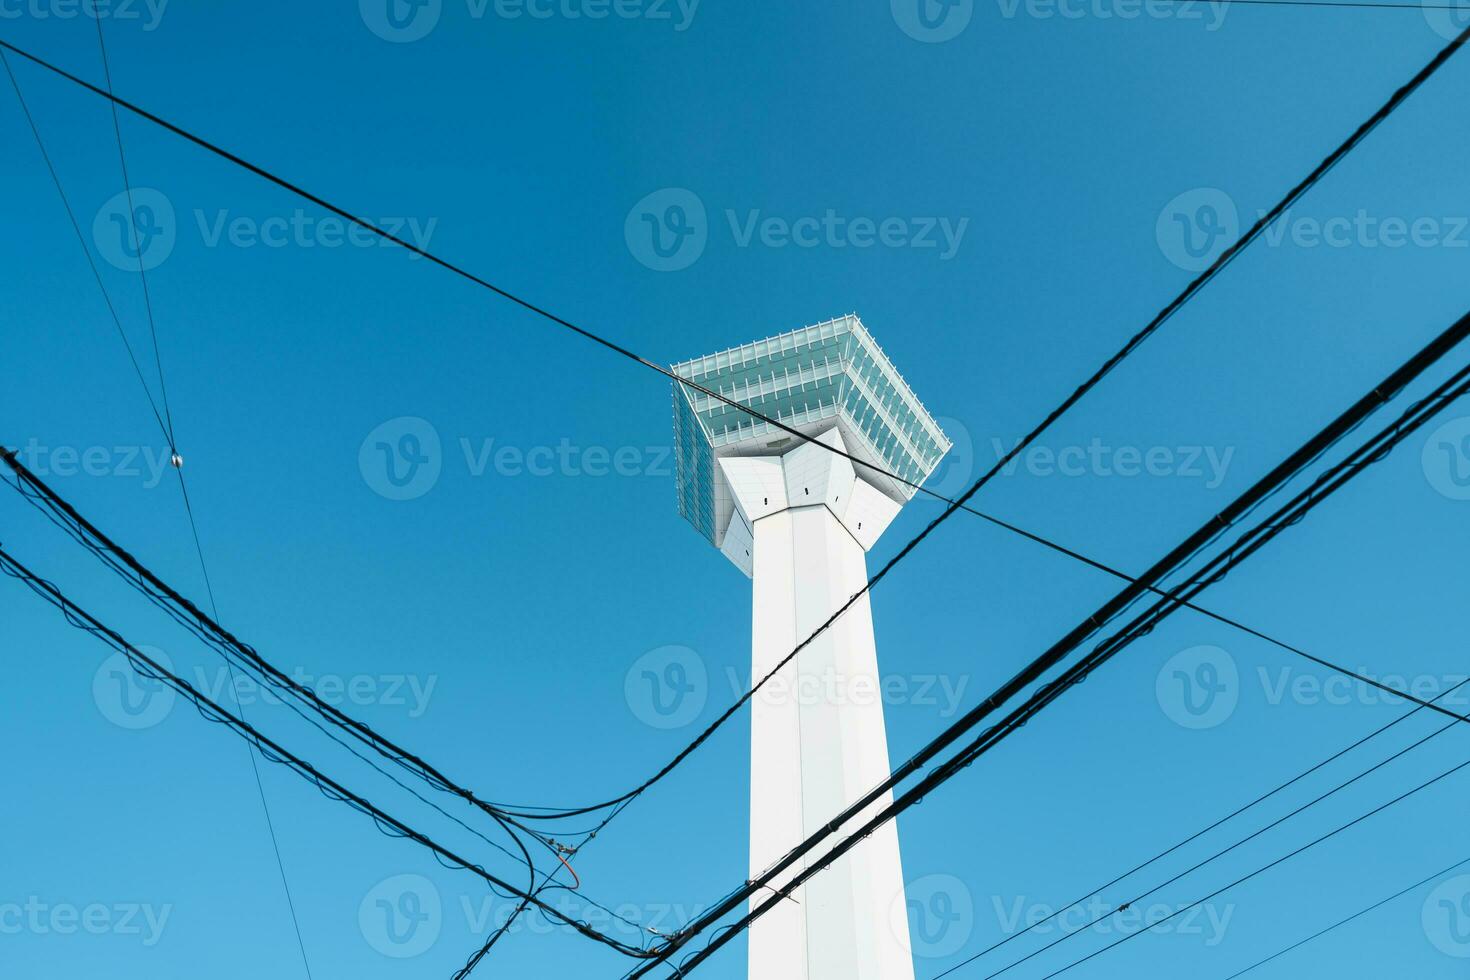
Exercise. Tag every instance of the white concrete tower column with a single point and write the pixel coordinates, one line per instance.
(818, 743)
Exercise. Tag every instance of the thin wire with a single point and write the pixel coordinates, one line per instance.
(82, 241)
(1198, 834)
(249, 749)
(1221, 853)
(184, 490)
(1262, 870)
(133, 231)
(1342, 922)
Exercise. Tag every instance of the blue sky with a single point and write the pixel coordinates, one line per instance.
(491, 621)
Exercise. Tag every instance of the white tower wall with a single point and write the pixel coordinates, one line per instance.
(817, 733)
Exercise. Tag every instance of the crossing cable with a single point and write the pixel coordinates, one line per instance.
(170, 441)
(122, 160)
(56, 509)
(1061, 909)
(1227, 256)
(212, 642)
(174, 459)
(1356, 915)
(1262, 870)
(212, 632)
(82, 241)
(1349, 420)
(1138, 899)
(107, 299)
(274, 752)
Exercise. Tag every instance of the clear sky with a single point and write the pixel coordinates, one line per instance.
(1046, 176)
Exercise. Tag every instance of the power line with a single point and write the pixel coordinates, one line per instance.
(1356, 915)
(60, 513)
(208, 630)
(1200, 833)
(122, 160)
(1349, 420)
(1262, 870)
(273, 751)
(164, 429)
(1136, 900)
(81, 240)
(1163, 316)
(550, 880)
(184, 490)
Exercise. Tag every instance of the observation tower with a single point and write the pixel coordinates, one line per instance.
(798, 520)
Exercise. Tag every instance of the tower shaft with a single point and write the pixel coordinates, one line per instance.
(817, 744)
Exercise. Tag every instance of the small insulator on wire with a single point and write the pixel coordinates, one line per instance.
(176, 460)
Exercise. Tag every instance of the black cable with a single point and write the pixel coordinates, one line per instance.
(1342, 922)
(258, 665)
(82, 241)
(549, 879)
(1138, 899)
(249, 749)
(1060, 909)
(1164, 315)
(148, 667)
(227, 652)
(165, 429)
(133, 231)
(1268, 484)
(1078, 672)
(184, 491)
(1262, 870)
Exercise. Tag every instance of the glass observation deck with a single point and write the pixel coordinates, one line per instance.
(810, 379)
